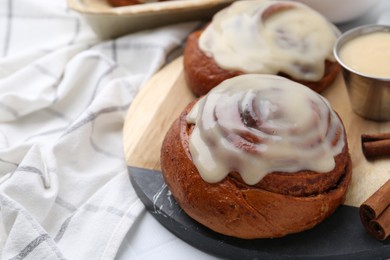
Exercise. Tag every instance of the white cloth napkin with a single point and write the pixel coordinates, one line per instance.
(64, 94)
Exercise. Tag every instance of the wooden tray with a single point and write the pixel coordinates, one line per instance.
(163, 98)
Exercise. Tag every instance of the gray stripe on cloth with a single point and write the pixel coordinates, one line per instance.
(31, 169)
(100, 58)
(30, 247)
(89, 208)
(111, 210)
(106, 153)
(61, 202)
(92, 116)
(50, 132)
(63, 228)
(11, 205)
(130, 88)
(10, 16)
(43, 70)
(105, 74)
(58, 114)
(100, 150)
(115, 211)
(57, 79)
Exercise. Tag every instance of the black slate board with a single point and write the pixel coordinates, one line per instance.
(341, 236)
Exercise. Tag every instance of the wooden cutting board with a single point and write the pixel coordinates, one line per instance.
(163, 98)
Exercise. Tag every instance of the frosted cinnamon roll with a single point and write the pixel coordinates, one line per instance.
(259, 156)
(265, 37)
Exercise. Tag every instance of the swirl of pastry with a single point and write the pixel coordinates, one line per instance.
(259, 156)
(265, 37)
(262, 124)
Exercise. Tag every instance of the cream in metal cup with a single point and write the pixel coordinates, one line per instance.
(369, 95)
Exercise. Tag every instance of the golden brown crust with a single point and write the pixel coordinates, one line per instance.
(117, 3)
(202, 73)
(234, 208)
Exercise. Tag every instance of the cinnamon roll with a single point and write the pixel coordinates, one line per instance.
(259, 156)
(265, 37)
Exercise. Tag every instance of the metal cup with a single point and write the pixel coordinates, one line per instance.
(369, 95)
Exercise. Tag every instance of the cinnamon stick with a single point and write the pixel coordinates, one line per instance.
(374, 145)
(375, 213)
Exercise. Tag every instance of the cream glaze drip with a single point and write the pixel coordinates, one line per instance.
(288, 128)
(295, 41)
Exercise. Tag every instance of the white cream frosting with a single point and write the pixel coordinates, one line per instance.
(295, 41)
(295, 128)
